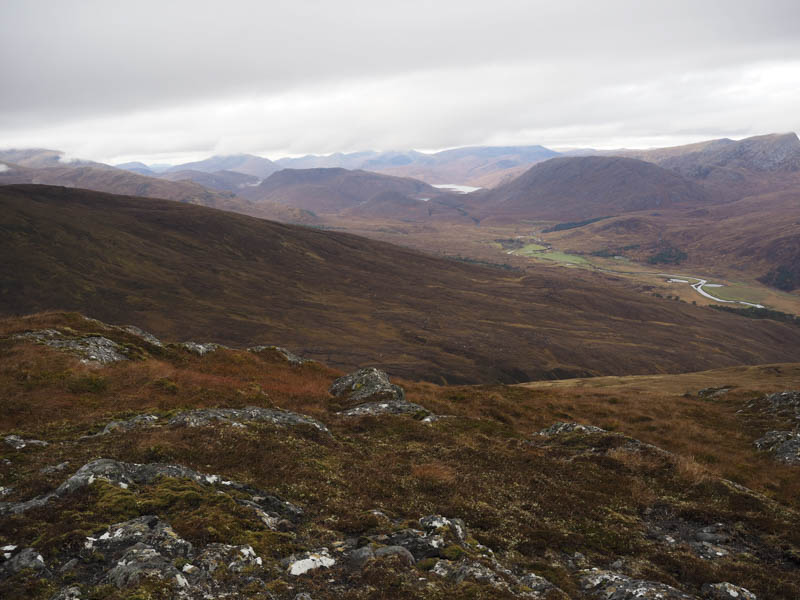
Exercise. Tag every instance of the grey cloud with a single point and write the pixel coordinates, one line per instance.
(113, 79)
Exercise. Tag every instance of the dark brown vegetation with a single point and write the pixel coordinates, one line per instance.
(571, 189)
(534, 503)
(185, 271)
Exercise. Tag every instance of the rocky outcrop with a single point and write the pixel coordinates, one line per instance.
(91, 348)
(616, 586)
(560, 427)
(269, 508)
(726, 591)
(373, 394)
(143, 335)
(17, 443)
(208, 416)
(386, 408)
(289, 356)
(147, 548)
(783, 445)
(784, 404)
(200, 349)
(238, 416)
(367, 385)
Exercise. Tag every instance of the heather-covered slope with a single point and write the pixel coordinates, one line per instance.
(189, 271)
(174, 474)
(573, 189)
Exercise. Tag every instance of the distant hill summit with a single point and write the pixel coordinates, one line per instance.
(333, 190)
(764, 153)
(248, 164)
(575, 188)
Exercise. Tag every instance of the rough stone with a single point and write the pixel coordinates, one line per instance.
(55, 468)
(125, 474)
(367, 385)
(560, 427)
(784, 445)
(18, 443)
(291, 357)
(128, 424)
(144, 335)
(536, 584)
(781, 403)
(360, 556)
(91, 348)
(68, 593)
(200, 349)
(404, 555)
(142, 562)
(468, 570)
(385, 408)
(299, 564)
(201, 417)
(27, 558)
(148, 530)
(615, 586)
(726, 591)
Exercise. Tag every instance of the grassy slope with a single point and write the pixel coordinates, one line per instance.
(535, 505)
(185, 271)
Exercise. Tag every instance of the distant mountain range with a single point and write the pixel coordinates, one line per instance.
(646, 197)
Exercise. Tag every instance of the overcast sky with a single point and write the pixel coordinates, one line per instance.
(167, 80)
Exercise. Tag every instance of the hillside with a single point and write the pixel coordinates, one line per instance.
(577, 188)
(247, 164)
(754, 165)
(103, 178)
(331, 191)
(351, 301)
(165, 472)
(223, 181)
(466, 165)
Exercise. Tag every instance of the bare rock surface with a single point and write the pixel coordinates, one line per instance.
(783, 445)
(91, 348)
(616, 586)
(126, 474)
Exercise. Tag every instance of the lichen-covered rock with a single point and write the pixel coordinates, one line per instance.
(439, 525)
(560, 427)
(28, 558)
(384, 408)
(148, 530)
(72, 592)
(726, 591)
(144, 335)
(235, 559)
(55, 468)
(367, 385)
(397, 551)
(142, 562)
(710, 393)
(17, 443)
(129, 424)
(299, 564)
(251, 414)
(536, 584)
(468, 570)
(200, 349)
(615, 586)
(91, 348)
(781, 403)
(784, 445)
(125, 474)
(291, 357)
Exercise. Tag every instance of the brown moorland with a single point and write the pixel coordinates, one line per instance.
(549, 506)
(188, 271)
